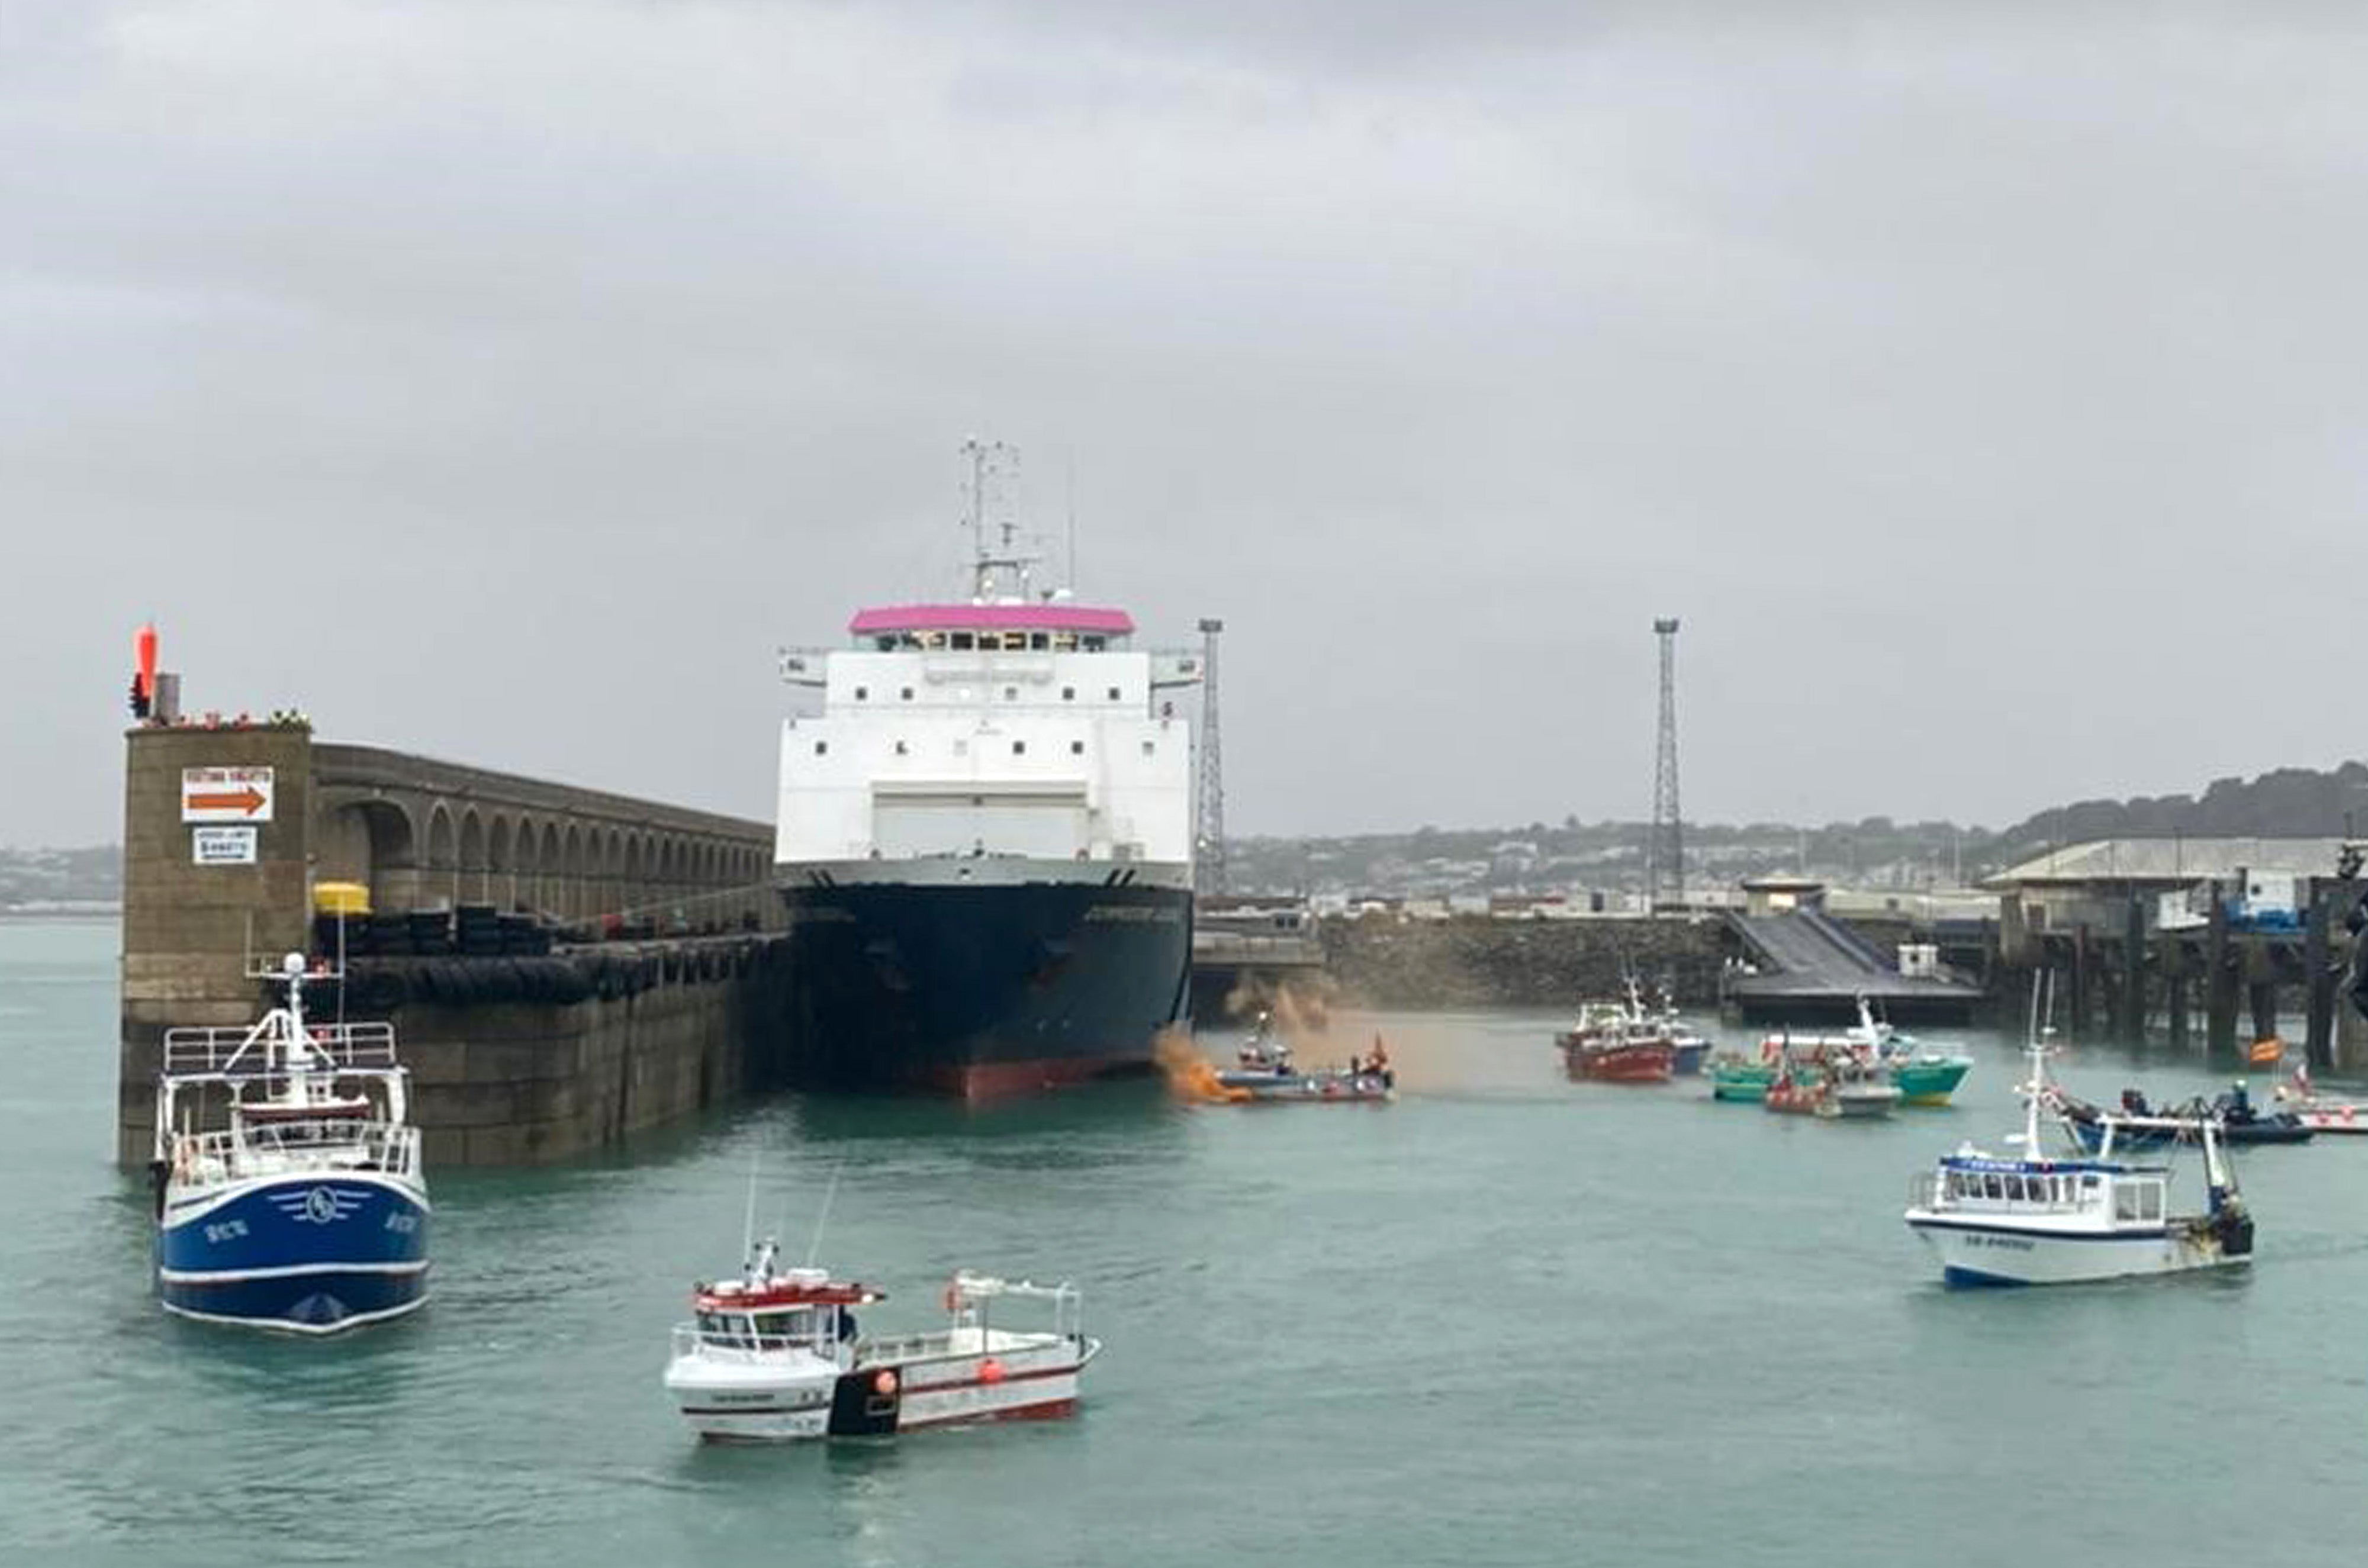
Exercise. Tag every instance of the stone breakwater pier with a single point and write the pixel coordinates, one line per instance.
(564, 966)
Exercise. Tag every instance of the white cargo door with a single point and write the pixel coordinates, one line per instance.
(1044, 824)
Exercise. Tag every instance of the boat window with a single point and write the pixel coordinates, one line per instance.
(1015, 642)
(1068, 694)
(1076, 748)
(796, 1325)
(2125, 1201)
(1011, 694)
(906, 694)
(1039, 641)
(2150, 1202)
(1150, 747)
(901, 748)
(1114, 694)
(1065, 642)
(2088, 1182)
(963, 642)
(861, 692)
(1019, 748)
(1993, 1187)
(821, 747)
(1093, 644)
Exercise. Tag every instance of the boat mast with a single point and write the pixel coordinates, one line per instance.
(2037, 1047)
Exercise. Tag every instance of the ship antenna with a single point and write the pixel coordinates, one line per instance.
(822, 1219)
(1071, 465)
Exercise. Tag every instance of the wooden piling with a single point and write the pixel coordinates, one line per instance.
(2134, 973)
(2219, 983)
(2079, 1013)
(2318, 971)
(2262, 997)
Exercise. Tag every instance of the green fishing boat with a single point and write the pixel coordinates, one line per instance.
(1928, 1079)
(1734, 1076)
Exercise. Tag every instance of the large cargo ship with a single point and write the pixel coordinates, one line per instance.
(984, 838)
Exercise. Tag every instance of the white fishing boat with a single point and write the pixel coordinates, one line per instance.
(779, 1355)
(2024, 1219)
(2320, 1113)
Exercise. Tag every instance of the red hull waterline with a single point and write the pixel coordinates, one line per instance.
(979, 1081)
(1624, 1064)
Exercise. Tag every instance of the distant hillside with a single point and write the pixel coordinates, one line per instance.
(49, 877)
(2287, 802)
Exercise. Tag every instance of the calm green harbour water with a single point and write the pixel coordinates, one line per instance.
(1507, 1319)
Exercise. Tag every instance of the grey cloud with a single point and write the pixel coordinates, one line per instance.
(1980, 388)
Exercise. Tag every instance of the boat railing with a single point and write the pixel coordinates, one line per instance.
(333, 1142)
(243, 1052)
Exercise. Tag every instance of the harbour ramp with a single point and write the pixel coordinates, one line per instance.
(1802, 966)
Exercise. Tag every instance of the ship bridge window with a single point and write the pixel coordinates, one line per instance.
(1095, 644)
(1065, 642)
(886, 644)
(965, 642)
(1039, 641)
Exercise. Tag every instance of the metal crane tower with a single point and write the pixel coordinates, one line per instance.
(1209, 852)
(1664, 850)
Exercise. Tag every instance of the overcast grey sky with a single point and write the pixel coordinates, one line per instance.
(505, 378)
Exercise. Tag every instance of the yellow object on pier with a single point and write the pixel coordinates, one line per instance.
(340, 898)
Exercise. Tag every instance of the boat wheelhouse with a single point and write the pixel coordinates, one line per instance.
(307, 1209)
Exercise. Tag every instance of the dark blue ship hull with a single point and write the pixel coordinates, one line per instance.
(983, 991)
(312, 1253)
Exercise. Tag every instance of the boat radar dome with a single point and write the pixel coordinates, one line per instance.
(292, 965)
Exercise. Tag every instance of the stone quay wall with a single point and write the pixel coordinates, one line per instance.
(1480, 961)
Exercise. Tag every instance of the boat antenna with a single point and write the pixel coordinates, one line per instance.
(748, 1225)
(1070, 464)
(822, 1219)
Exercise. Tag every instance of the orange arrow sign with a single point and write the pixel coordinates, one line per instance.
(248, 799)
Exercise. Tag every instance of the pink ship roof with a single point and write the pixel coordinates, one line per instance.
(992, 618)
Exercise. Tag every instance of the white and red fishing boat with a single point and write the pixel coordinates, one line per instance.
(777, 1354)
(2319, 1112)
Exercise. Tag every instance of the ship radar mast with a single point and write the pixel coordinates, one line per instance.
(1002, 573)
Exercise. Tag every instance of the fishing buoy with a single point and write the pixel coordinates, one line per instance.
(990, 1370)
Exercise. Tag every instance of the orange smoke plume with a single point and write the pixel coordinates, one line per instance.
(1190, 1075)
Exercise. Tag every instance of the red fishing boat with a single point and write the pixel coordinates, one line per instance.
(1644, 1054)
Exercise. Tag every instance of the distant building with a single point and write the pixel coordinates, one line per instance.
(1780, 895)
(2094, 882)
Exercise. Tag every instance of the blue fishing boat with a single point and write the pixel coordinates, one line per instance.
(289, 1189)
